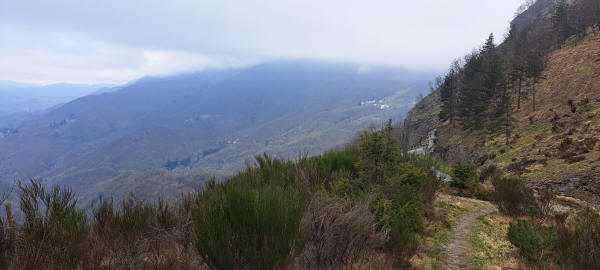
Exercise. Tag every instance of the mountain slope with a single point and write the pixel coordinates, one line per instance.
(554, 147)
(212, 120)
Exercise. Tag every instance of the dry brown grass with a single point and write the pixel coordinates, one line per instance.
(572, 74)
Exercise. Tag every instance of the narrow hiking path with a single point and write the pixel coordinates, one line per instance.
(458, 248)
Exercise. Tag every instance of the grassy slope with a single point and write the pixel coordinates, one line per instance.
(491, 249)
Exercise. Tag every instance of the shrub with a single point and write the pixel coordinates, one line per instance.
(345, 159)
(239, 227)
(378, 155)
(572, 105)
(590, 142)
(519, 167)
(401, 208)
(512, 195)
(137, 235)
(7, 237)
(464, 174)
(565, 144)
(536, 243)
(580, 240)
(337, 235)
(488, 172)
(54, 232)
(350, 188)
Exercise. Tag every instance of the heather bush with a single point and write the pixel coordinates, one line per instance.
(344, 159)
(240, 227)
(54, 231)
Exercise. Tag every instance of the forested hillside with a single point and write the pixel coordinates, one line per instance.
(524, 114)
(526, 105)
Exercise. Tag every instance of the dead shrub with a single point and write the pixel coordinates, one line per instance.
(565, 144)
(488, 172)
(520, 167)
(337, 236)
(142, 236)
(575, 159)
(512, 195)
(579, 240)
(584, 102)
(567, 155)
(572, 106)
(539, 137)
(590, 142)
(544, 203)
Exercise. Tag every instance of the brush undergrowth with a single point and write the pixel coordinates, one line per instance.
(362, 205)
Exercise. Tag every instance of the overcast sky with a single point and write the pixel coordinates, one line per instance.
(115, 41)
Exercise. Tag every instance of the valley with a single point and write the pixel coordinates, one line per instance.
(302, 135)
(204, 124)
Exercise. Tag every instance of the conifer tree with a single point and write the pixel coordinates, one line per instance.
(535, 66)
(560, 21)
(448, 95)
(481, 81)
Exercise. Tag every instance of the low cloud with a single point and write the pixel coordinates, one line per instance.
(116, 41)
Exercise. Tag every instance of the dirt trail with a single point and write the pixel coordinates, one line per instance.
(459, 247)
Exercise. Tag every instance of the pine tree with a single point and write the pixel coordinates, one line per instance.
(447, 94)
(472, 95)
(560, 21)
(481, 81)
(535, 66)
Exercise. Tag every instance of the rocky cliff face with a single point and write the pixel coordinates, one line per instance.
(421, 121)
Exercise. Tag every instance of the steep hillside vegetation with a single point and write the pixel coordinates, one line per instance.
(366, 206)
(556, 146)
(528, 106)
(525, 115)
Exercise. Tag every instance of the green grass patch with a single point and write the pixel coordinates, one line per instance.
(434, 242)
(490, 246)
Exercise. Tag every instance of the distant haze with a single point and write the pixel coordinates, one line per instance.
(116, 41)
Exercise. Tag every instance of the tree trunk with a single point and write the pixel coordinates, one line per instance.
(507, 128)
(519, 94)
(533, 93)
(507, 102)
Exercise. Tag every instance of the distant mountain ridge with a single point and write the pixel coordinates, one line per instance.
(211, 120)
(17, 97)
